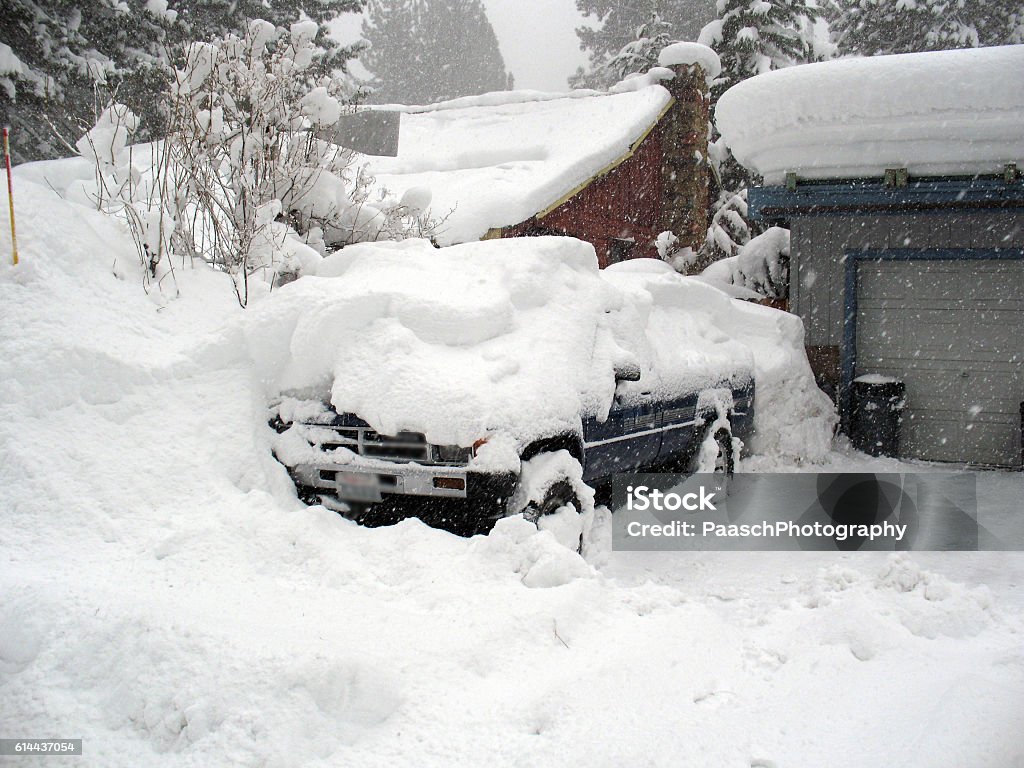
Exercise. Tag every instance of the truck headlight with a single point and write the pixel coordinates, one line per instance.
(452, 454)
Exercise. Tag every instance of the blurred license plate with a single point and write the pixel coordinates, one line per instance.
(356, 486)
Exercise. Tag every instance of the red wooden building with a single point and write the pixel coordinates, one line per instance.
(613, 168)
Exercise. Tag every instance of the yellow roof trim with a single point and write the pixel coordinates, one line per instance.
(608, 168)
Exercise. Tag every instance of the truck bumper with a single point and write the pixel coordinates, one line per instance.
(373, 483)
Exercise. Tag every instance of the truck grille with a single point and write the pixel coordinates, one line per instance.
(405, 446)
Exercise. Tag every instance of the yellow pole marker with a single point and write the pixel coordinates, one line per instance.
(10, 195)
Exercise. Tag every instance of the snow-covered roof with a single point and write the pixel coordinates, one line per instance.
(939, 113)
(498, 159)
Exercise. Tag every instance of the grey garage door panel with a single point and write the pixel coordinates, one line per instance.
(991, 443)
(893, 336)
(934, 439)
(916, 346)
(898, 303)
(933, 280)
(939, 439)
(999, 337)
(954, 332)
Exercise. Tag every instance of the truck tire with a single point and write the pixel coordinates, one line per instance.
(308, 495)
(560, 494)
(715, 453)
(549, 495)
(725, 462)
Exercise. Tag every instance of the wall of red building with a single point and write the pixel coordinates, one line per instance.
(623, 204)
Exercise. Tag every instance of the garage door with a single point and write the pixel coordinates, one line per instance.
(954, 332)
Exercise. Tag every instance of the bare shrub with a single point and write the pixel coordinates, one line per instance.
(243, 180)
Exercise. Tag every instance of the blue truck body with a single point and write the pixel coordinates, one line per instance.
(648, 434)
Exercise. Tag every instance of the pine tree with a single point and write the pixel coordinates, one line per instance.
(67, 60)
(729, 230)
(619, 24)
(638, 55)
(63, 53)
(388, 25)
(424, 51)
(755, 36)
(482, 68)
(206, 19)
(871, 27)
(751, 37)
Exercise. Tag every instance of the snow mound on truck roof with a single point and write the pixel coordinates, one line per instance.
(520, 337)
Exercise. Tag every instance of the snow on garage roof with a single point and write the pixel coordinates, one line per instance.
(498, 159)
(935, 114)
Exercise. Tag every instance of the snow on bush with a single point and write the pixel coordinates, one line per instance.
(761, 265)
(9, 63)
(729, 230)
(244, 149)
(681, 259)
(123, 187)
(107, 139)
(243, 180)
(515, 339)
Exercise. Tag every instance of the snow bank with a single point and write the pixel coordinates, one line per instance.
(543, 561)
(496, 160)
(944, 112)
(162, 592)
(920, 602)
(164, 596)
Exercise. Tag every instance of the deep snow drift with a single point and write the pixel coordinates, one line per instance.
(165, 597)
(936, 113)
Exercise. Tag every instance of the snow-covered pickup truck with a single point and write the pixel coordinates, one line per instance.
(513, 374)
(357, 464)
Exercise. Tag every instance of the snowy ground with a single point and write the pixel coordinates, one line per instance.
(165, 597)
